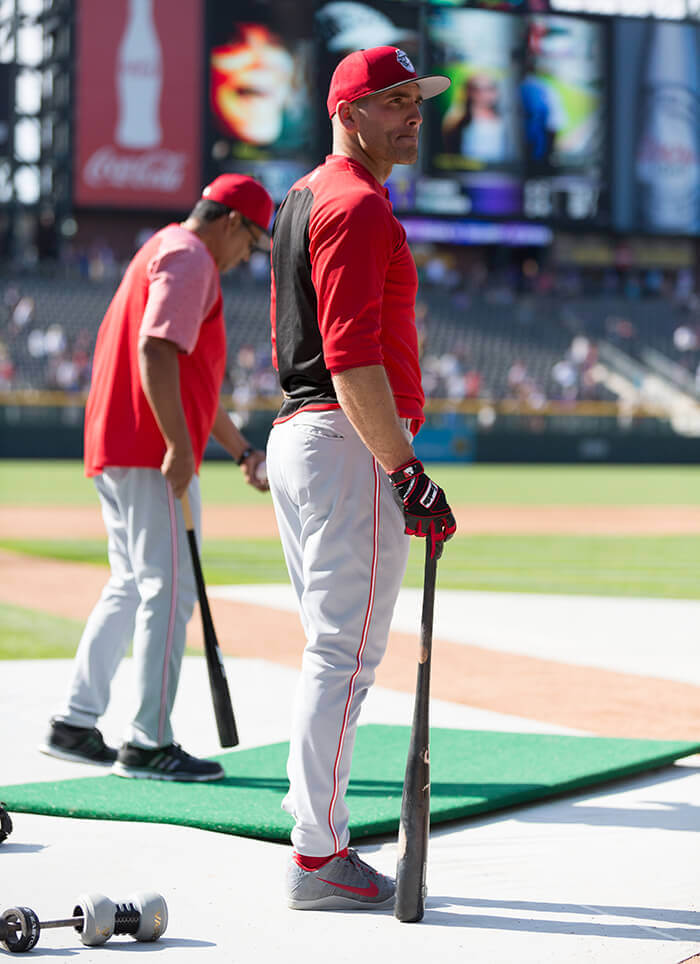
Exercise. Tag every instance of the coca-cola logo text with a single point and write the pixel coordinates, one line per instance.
(162, 171)
(670, 155)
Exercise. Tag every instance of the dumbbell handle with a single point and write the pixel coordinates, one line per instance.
(47, 924)
(126, 921)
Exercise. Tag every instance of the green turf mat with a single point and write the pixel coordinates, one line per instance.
(472, 771)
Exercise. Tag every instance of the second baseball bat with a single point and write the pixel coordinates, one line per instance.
(221, 696)
(414, 822)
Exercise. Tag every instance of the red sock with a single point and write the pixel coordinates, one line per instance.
(313, 863)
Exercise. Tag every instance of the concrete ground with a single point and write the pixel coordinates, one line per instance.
(605, 876)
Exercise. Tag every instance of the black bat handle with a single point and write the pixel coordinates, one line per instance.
(414, 824)
(221, 696)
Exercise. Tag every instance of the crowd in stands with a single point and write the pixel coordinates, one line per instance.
(45, 345)
(488, 331)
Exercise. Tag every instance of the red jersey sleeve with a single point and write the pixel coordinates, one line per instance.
(350, 245)
(182, 289)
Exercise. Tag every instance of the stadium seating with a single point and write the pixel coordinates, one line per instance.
(47, 345)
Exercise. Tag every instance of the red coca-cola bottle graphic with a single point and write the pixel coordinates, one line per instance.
(668, 151)
(139, 80)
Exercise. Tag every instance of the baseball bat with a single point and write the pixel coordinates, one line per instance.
(414, 822)
(221, 697)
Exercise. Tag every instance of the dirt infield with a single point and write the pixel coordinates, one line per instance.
(223, 522)
(596, 700)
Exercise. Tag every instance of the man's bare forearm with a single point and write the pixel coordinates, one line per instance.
(160, 378)
(366, 398)
(235, 443)
(227, 435)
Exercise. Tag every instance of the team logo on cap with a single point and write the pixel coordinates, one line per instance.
(405, 62)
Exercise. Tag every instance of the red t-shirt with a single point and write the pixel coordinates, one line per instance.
(170, 290)
(344, 289)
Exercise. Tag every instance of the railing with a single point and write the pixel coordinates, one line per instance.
(44, 424)
(29, 398)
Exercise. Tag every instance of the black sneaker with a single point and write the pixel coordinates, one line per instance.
(81, 744)
(164, 763)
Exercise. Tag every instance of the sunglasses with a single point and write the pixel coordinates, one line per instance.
(261, 242)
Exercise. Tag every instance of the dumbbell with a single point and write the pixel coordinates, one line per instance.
(96, 918)
(5, 823)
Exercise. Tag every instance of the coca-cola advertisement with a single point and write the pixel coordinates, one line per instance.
(138, 97)
(657, 130)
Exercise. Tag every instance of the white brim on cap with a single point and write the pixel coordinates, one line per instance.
(433, 85)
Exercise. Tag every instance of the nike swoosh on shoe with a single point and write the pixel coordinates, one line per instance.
(370, 891)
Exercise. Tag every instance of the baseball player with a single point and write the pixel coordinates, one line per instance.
(344, 479)
(154, 401)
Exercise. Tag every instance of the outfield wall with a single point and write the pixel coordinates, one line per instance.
(574, 434)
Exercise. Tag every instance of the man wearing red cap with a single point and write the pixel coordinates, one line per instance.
(157, 372)
(345, 482)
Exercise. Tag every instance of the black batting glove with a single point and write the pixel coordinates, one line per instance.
(425, 507)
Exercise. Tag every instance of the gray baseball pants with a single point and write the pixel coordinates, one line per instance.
(149, 598)
(343, 539)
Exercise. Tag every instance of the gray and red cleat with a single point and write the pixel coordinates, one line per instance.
(345, 882)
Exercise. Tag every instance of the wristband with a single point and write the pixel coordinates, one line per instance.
(406, 472)
(244, 455)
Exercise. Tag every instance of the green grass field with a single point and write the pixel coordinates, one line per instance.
(592, 565)
(62, 483)
(656, 566)
(28, 634)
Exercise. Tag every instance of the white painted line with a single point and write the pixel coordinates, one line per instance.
(647, 637)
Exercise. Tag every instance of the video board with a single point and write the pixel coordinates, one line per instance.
(261, 94)
(557, 119)
(342, 26)
(551, 118)
(521, 132)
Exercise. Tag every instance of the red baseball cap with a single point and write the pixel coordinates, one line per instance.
(242, 194)
(372, 71)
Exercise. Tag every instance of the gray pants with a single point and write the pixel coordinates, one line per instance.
(343, 539)
(149, 598)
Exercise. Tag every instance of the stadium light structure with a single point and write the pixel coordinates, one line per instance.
(35, 72)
